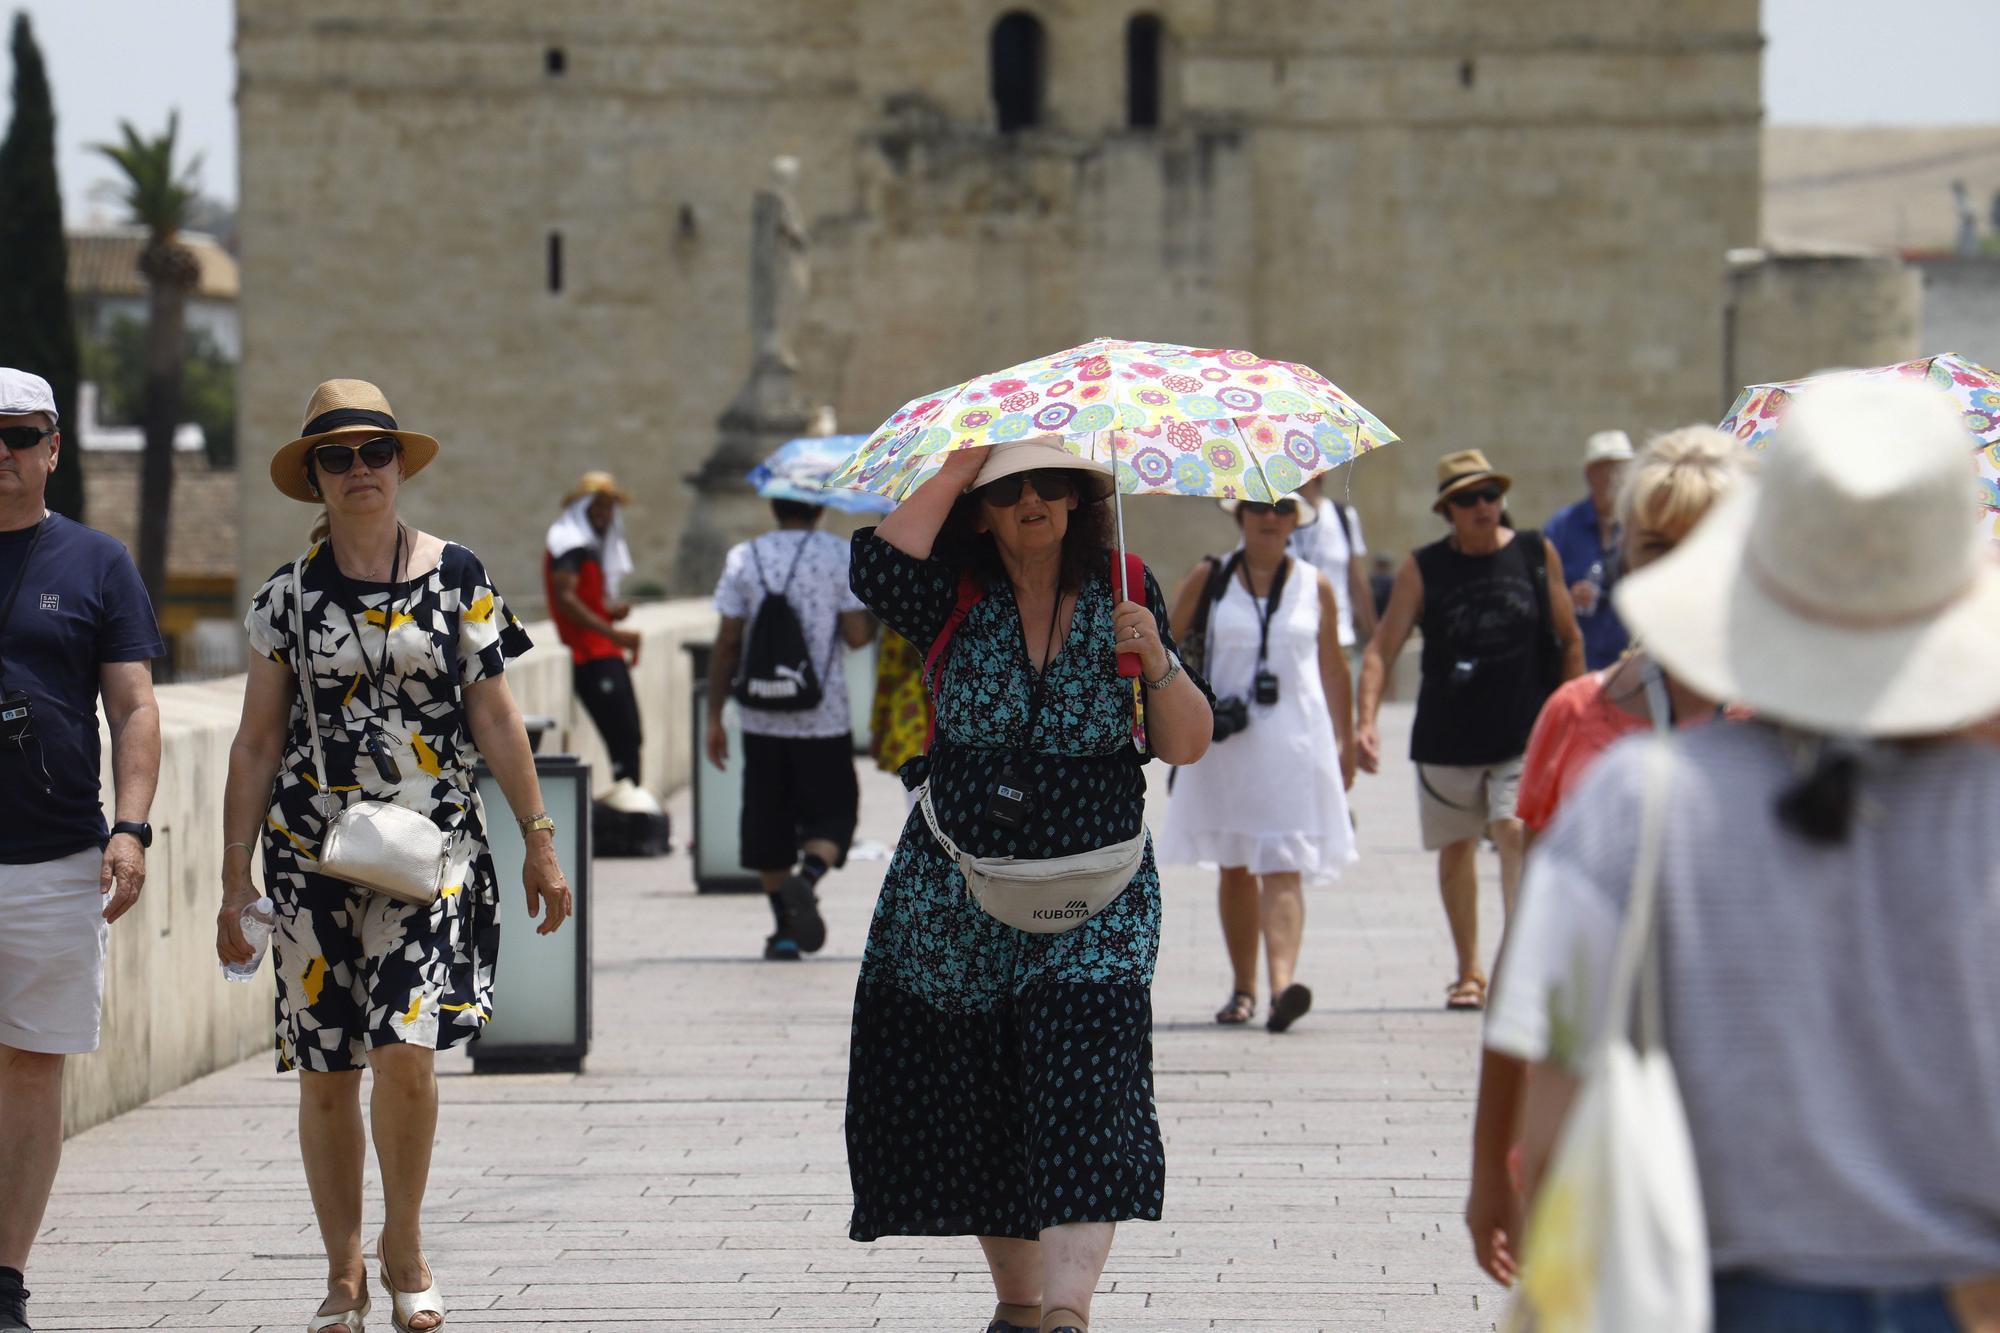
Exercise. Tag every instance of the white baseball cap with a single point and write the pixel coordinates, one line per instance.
(1608, 446)
(22, 393)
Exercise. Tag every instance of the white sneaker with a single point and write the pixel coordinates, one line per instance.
(629, 798)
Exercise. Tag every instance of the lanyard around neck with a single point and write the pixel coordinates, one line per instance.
(1266, 606)
(1050, 652)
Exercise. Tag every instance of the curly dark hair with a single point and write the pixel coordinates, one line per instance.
(1086, 544)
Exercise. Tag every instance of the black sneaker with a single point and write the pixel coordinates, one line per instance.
(802, 913)
(1002, 1326)
(777, 948)
(14, 1312)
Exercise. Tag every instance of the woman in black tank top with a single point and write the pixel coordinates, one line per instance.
(1499, 634)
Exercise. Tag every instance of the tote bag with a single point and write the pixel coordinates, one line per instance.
(1617, 1241)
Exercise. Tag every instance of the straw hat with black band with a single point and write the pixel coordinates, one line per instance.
(597, 483)
(345, 412)
(1464, 470)
(1043, 452)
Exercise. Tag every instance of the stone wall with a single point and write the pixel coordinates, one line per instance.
(1795, 312)
(1962, 308)
(169, 1017)
(1497, 225)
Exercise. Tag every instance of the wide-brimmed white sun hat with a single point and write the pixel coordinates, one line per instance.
(1848, 588)
(1307, 511)
(1043, 451)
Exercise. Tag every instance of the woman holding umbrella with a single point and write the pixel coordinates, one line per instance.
(1001, 1080)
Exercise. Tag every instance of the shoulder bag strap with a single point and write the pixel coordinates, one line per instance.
(302, 661)
(1635, 1001)
(970, 593)
(20, 578)
(1221, 570)
(930, 818)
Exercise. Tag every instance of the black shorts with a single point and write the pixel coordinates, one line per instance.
(795, 790)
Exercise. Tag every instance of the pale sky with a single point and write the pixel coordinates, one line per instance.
(1829, 62)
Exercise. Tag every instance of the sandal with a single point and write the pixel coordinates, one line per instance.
(407, 1305)
(1468, 992)
(1242, 1007)
(1288, 1007)
(347, 1321)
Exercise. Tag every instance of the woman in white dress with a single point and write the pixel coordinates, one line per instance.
(1268, 804)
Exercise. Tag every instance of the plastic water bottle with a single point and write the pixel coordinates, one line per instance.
(258, 919)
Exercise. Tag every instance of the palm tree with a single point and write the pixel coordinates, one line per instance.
(158, 193)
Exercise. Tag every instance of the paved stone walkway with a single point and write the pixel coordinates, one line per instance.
(693, 1176)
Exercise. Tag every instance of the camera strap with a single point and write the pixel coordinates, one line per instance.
(1049, 655)
(1267, 606)
(13, 593)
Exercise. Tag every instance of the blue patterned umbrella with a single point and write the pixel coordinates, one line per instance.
(802, 469)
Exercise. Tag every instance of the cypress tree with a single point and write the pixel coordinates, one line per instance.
(37, 330)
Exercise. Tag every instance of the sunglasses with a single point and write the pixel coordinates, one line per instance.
(1282, 508)
(1053, 485)
(335, 459)
(1488, 495)
(22, 438)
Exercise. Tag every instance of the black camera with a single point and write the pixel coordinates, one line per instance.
(1231, 716)
(1008, 805)
(1265, 688)
(17, 719)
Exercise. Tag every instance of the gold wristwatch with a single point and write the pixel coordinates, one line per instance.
(533, 822)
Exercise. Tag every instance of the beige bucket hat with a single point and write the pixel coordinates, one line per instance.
(1043, 451)
(1462, 471)
(1307, 511)
(1848, 588)
(342, 408)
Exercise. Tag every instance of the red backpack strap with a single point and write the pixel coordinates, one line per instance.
(1133, 590)
(970, 593)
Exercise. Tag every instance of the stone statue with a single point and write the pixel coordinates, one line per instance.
(780, 274)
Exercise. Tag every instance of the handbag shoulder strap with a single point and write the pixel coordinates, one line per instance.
(302, 661)
(970, 593)
(1635, 979)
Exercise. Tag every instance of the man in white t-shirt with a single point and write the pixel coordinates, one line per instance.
(800, 795)
(1335, 547)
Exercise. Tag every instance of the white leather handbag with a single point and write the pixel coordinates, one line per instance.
(1618, 1240)
(383, 847)
(1046, 896)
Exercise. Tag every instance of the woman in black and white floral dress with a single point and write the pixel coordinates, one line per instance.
(408, 642)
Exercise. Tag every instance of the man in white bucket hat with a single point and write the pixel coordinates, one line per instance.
(1828, 910)
(1586, 536)
(75, 627)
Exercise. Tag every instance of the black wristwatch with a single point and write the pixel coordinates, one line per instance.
(138, 829)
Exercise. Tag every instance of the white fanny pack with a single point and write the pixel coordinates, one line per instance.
(1046, 896)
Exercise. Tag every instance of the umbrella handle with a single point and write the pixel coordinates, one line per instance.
(1129, 665)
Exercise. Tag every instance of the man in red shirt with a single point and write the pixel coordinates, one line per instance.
(585, 562)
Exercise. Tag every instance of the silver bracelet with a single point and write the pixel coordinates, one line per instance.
(252, 851)
(1173, 670)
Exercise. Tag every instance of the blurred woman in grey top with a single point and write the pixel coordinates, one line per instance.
(1829, 914)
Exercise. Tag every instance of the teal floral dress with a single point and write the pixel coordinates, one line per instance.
(1001, 1082)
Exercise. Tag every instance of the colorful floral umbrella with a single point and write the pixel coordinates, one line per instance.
(1171, 420)
(1974, 388)
(800, 470)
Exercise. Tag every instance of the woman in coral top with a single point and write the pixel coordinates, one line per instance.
(1676, 480)
(1673, 482)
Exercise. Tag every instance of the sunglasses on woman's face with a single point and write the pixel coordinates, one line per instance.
(1485, 495)
(335, 459)
(1283, 508)
(20, 439)
(1054, 485)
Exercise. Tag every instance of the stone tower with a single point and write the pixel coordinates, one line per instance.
(1498, 225)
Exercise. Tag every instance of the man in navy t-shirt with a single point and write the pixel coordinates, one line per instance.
(75, 623)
